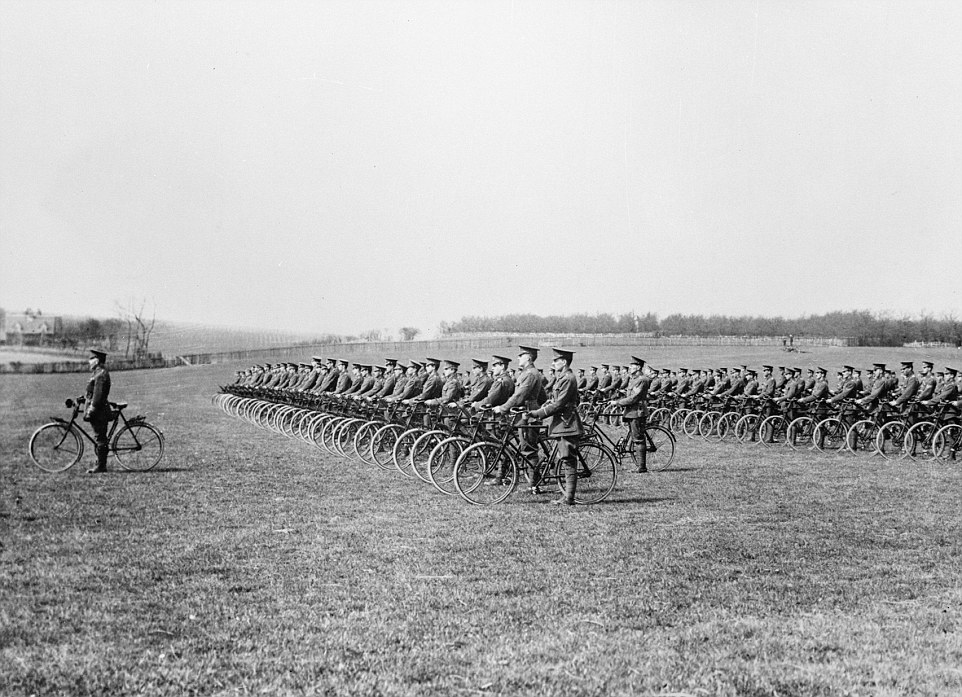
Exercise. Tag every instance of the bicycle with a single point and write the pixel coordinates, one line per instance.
(482, 465)
(137, 445)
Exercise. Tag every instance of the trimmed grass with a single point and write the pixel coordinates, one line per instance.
(249, 563)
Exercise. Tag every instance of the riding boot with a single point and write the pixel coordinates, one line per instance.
(571, 485)
(642, 452)
(102, 451)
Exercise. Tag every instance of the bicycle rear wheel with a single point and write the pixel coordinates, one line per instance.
(597, 473)
(441, 463)
(890, 440)
(55, 447)
(799, 433)
(660, 443)
(829, 435)
(138, 447)
(945, 445)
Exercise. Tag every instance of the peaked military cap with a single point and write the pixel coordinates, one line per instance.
(848, 368)
(102, 355)
(416, 364)
(502, 359)
(638, 361)
(399, 366)
(530, 350)
(563, 354)
(879, 366)
(951, 371)
(768, 367)
(929, 364)
(821, 370)
(483, 365)
(451, 364)
(433, 361)
(390, 361)
(317, 358)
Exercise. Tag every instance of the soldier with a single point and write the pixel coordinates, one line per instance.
(582, 380)
(528, 393)
(926, 382)
(880, 388)
(482, 382)
(97, 409)
(451, 389)
(592, 379)
(502, 384)
(374, 388)
(949, 392)
(565, 424)
(909, 391)
(433, 384)
(636, 410)
(604, 380)
(344, 378)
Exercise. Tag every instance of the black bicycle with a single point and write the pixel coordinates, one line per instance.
(58, 446)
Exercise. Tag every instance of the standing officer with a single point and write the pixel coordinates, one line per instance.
(97, 409)
(528, 393)
(565, 425)
(636, 410)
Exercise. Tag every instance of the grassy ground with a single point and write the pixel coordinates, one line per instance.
(248, 563)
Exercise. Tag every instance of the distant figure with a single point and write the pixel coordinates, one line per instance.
(97, 411)
(791, 339)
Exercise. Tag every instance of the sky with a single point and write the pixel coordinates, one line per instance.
(344, 166)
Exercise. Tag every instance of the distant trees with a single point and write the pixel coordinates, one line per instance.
(139, 326)
(408, 333)
(867, 328)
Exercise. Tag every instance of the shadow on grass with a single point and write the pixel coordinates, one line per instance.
(156, 470)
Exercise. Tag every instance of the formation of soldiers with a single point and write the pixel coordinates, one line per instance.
(491, 383)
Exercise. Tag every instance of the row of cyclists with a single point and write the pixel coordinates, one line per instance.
(766, 403)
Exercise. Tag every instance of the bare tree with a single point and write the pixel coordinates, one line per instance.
(139, 326)
(408, 333)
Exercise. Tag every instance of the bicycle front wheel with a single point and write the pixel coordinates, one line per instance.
(138, 447)
(485, 474)
(55, 447)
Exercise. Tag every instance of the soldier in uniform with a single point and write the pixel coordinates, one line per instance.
(344, 379)
(636, 410)
(97, 408)
(502, 384)
(482, 382)
(949, 391)
(432, 385)
(926, 382)
(528, 393)
(592, 379)
(582, 380)
(909, 391)
(565, 424)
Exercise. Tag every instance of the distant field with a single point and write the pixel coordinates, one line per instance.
(14, 356)
(249, 563)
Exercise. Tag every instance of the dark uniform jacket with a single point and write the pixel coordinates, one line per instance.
(481, 387)
(431, 388)
(927, 388)
(908, 392)
(636, 401)
(343, 382)
(502, 387)
(529, 392)
(412, 387)
(98, 390)
(819, 391)
(329, 382)
(592, 382)
(562, 408)
(451, 391)
(948, 393)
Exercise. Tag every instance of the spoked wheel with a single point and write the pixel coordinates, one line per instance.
(55, 448)
(362, 440)
(344, 438)
(946, 443)
(401, 455)
(919, 441)
(829, 435)
(861, 436)
(382, 445)
(890, 440)
(660, 443)
(485, 474)
(677, 420)
(597, 474)
(659, 417)
(708, 426)
(799, 433)
(746, 429)
(771, 432)
(420, 456)
(138, 447)
(690, 425)
(441, 463)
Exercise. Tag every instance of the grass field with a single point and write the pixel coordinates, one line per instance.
(248, 563)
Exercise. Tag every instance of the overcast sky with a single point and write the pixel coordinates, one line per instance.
(340, 166)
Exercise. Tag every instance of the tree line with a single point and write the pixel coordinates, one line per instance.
(865, 327)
